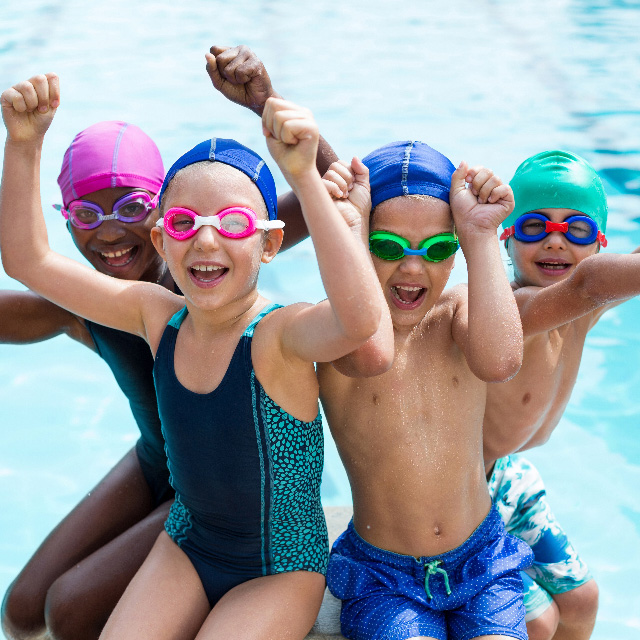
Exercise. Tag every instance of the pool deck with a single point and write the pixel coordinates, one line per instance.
(327, 626)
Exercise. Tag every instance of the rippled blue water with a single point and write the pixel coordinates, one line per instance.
(492, 82)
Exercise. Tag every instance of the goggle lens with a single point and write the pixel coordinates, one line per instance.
(235, 224)
(442, 250)
(386, 249)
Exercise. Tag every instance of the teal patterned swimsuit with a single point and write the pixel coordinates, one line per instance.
(246, 474)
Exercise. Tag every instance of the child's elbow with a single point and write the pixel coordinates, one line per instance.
(10, 266)
(363, 325)
(501, 369)
(591, 279)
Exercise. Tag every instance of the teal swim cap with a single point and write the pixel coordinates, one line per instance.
(558, 180)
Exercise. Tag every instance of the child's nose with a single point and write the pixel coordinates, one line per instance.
(110, 231)
(556, 240)
(412, 264)
(207, 238)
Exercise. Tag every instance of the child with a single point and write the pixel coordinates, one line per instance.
(84, 565)
(252, 563)
(81, 570)
(562, 286)
(426, 555)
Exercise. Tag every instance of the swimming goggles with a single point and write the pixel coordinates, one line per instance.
(132, 207)
(532, 227)
(389, 246)
(233, 222)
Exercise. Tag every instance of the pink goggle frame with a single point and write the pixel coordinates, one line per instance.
(233, 222)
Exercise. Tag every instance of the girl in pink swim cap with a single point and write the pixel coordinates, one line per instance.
(109, 177)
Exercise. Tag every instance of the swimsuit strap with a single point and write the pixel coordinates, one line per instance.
(268, 309)
(178, 318)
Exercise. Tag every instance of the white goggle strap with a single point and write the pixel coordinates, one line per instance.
(269, 224)
(201, 221)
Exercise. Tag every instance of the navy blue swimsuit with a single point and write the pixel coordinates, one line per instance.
(246, 474)
(131, 362)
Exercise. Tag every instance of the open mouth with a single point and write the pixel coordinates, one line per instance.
(407, 297)
(207, 274)
(553, 267)
(118, 258)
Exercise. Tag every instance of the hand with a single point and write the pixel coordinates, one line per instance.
(483, 205)
(28, 107)
(292, 137)
(349, 188)
(239, 75)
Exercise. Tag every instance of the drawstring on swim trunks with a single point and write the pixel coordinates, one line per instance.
(432, 569)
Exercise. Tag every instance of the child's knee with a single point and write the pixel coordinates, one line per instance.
(69, 612)
(544, 626)
(579, 604)
(23, 611)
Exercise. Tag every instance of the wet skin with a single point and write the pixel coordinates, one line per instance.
(418, 424)
(523, 412)
(80, 570)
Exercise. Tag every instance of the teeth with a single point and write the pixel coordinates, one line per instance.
(115, 254)
(409, 288)
(205, 267)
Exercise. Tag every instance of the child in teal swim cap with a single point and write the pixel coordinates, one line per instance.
(562, 285)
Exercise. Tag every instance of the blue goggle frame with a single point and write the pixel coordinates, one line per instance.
(563, 227)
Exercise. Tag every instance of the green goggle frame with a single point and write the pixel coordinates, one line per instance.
(389, 246)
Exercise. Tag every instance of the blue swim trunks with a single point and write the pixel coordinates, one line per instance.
(518, 494)
(470, 591)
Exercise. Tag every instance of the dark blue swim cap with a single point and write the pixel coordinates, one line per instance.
(406, 168)
(236, 155)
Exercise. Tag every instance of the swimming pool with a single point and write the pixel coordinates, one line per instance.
(492, 84)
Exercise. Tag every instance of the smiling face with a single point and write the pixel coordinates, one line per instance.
(208, 261)
(120, 249)
(551, 259)
(412, 285)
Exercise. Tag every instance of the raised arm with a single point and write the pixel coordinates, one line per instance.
(28, 109)
(26, 317)
(240, 76)
(348, 185)
(487, 326)
(351, 315)
(597, 284)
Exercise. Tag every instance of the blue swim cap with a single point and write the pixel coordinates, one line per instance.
(236, 155)
(406, 168)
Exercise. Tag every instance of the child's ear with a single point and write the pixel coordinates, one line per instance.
(158, 241)
(272, 245)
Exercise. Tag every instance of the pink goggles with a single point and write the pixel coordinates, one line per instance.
(132, 207)
(234, 222)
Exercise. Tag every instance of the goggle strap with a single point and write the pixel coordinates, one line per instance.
(62, 210)
(507, 233)
(201, 221)
(269, 224)
(602, 239)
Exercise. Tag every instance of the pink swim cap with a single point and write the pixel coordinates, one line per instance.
(110, 154)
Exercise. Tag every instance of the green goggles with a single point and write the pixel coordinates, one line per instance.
(389, 246)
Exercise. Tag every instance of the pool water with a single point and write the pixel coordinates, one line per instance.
(493, 83)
